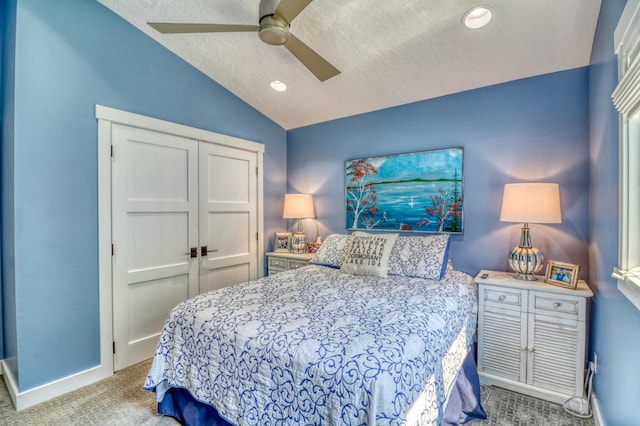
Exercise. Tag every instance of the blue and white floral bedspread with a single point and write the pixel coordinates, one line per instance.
(316, 346)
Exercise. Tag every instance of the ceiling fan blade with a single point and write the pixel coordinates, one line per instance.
(174, 28)
(289, 9)
(315, 63)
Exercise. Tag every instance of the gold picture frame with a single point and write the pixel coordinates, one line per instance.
(562, 274)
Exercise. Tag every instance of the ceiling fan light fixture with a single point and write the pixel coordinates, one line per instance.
(477, 17)
(273, 32)
(278, 86)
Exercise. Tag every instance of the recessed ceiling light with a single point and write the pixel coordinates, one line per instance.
(477, 17)
(278, 86)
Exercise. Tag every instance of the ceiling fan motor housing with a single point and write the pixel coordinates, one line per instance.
(272, 30)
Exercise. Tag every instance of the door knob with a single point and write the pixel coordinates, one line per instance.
(193, 252)
(205, 251)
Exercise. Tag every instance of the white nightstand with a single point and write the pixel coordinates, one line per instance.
(531, 336)
(284, 261)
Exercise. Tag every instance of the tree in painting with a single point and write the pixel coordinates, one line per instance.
(446, 206)
(456, 206)
(361, 194)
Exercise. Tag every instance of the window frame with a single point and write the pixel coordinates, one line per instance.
(626, 98)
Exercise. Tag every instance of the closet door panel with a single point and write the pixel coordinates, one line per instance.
(229, 232)
(154, 223)
(228, 215)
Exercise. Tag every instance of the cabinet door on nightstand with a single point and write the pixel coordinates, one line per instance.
(555, 353)
(501, 341)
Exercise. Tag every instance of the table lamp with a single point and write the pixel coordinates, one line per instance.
(298, 206)
(529, 203)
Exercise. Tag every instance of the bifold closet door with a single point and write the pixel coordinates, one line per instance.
(154, 226)
(228, 216)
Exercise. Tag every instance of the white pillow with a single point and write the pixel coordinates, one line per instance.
(332, 251)
(368, 254)
(421, 257)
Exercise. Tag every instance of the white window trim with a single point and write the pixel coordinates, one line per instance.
(626, 98)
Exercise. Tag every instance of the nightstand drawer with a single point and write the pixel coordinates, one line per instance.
(546, 303)
(502, 297)
(277, 263)
(295, 264)
(285, 261)
(273, 271)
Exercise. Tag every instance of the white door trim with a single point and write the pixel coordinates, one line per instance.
(162, 126)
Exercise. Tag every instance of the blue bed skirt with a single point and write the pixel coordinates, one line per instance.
(463, 404)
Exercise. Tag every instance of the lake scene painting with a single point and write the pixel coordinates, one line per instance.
(418, 192)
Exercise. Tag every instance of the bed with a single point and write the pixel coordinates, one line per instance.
(328, 343)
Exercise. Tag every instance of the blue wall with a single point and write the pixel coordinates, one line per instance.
(528, 130)
(2, 26)
(8, 286)
(615, 324)
(69, 56)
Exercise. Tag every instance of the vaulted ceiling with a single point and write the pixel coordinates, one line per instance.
(388, 52)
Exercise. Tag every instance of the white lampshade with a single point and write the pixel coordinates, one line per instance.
(298, 206)
(531, 203)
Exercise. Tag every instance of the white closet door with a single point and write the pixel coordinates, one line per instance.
(228, 216)
(154, 225)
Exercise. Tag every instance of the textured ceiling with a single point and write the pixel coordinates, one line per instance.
(389, 52)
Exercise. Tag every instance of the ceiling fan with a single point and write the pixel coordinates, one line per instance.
(273, 28)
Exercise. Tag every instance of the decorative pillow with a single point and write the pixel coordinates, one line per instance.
(421, 257)
(368, 254)
(332, 251)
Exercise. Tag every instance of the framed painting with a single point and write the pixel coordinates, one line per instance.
(417, 192)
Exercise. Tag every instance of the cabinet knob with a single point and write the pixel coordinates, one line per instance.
(501, 298)
(556, 305)
(532, 349)
(524, 348)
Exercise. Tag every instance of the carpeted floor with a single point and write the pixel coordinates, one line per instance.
(506, 408)
(120, 400)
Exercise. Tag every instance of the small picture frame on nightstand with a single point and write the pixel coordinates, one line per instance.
(562, 274)
(282, 242)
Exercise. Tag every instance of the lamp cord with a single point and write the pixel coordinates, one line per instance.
(588, 384)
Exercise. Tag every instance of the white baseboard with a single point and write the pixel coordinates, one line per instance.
(31, 397)
(595, 409)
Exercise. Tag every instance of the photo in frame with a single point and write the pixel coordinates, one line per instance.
(417, 192)
(282, 242)
(562, 274)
